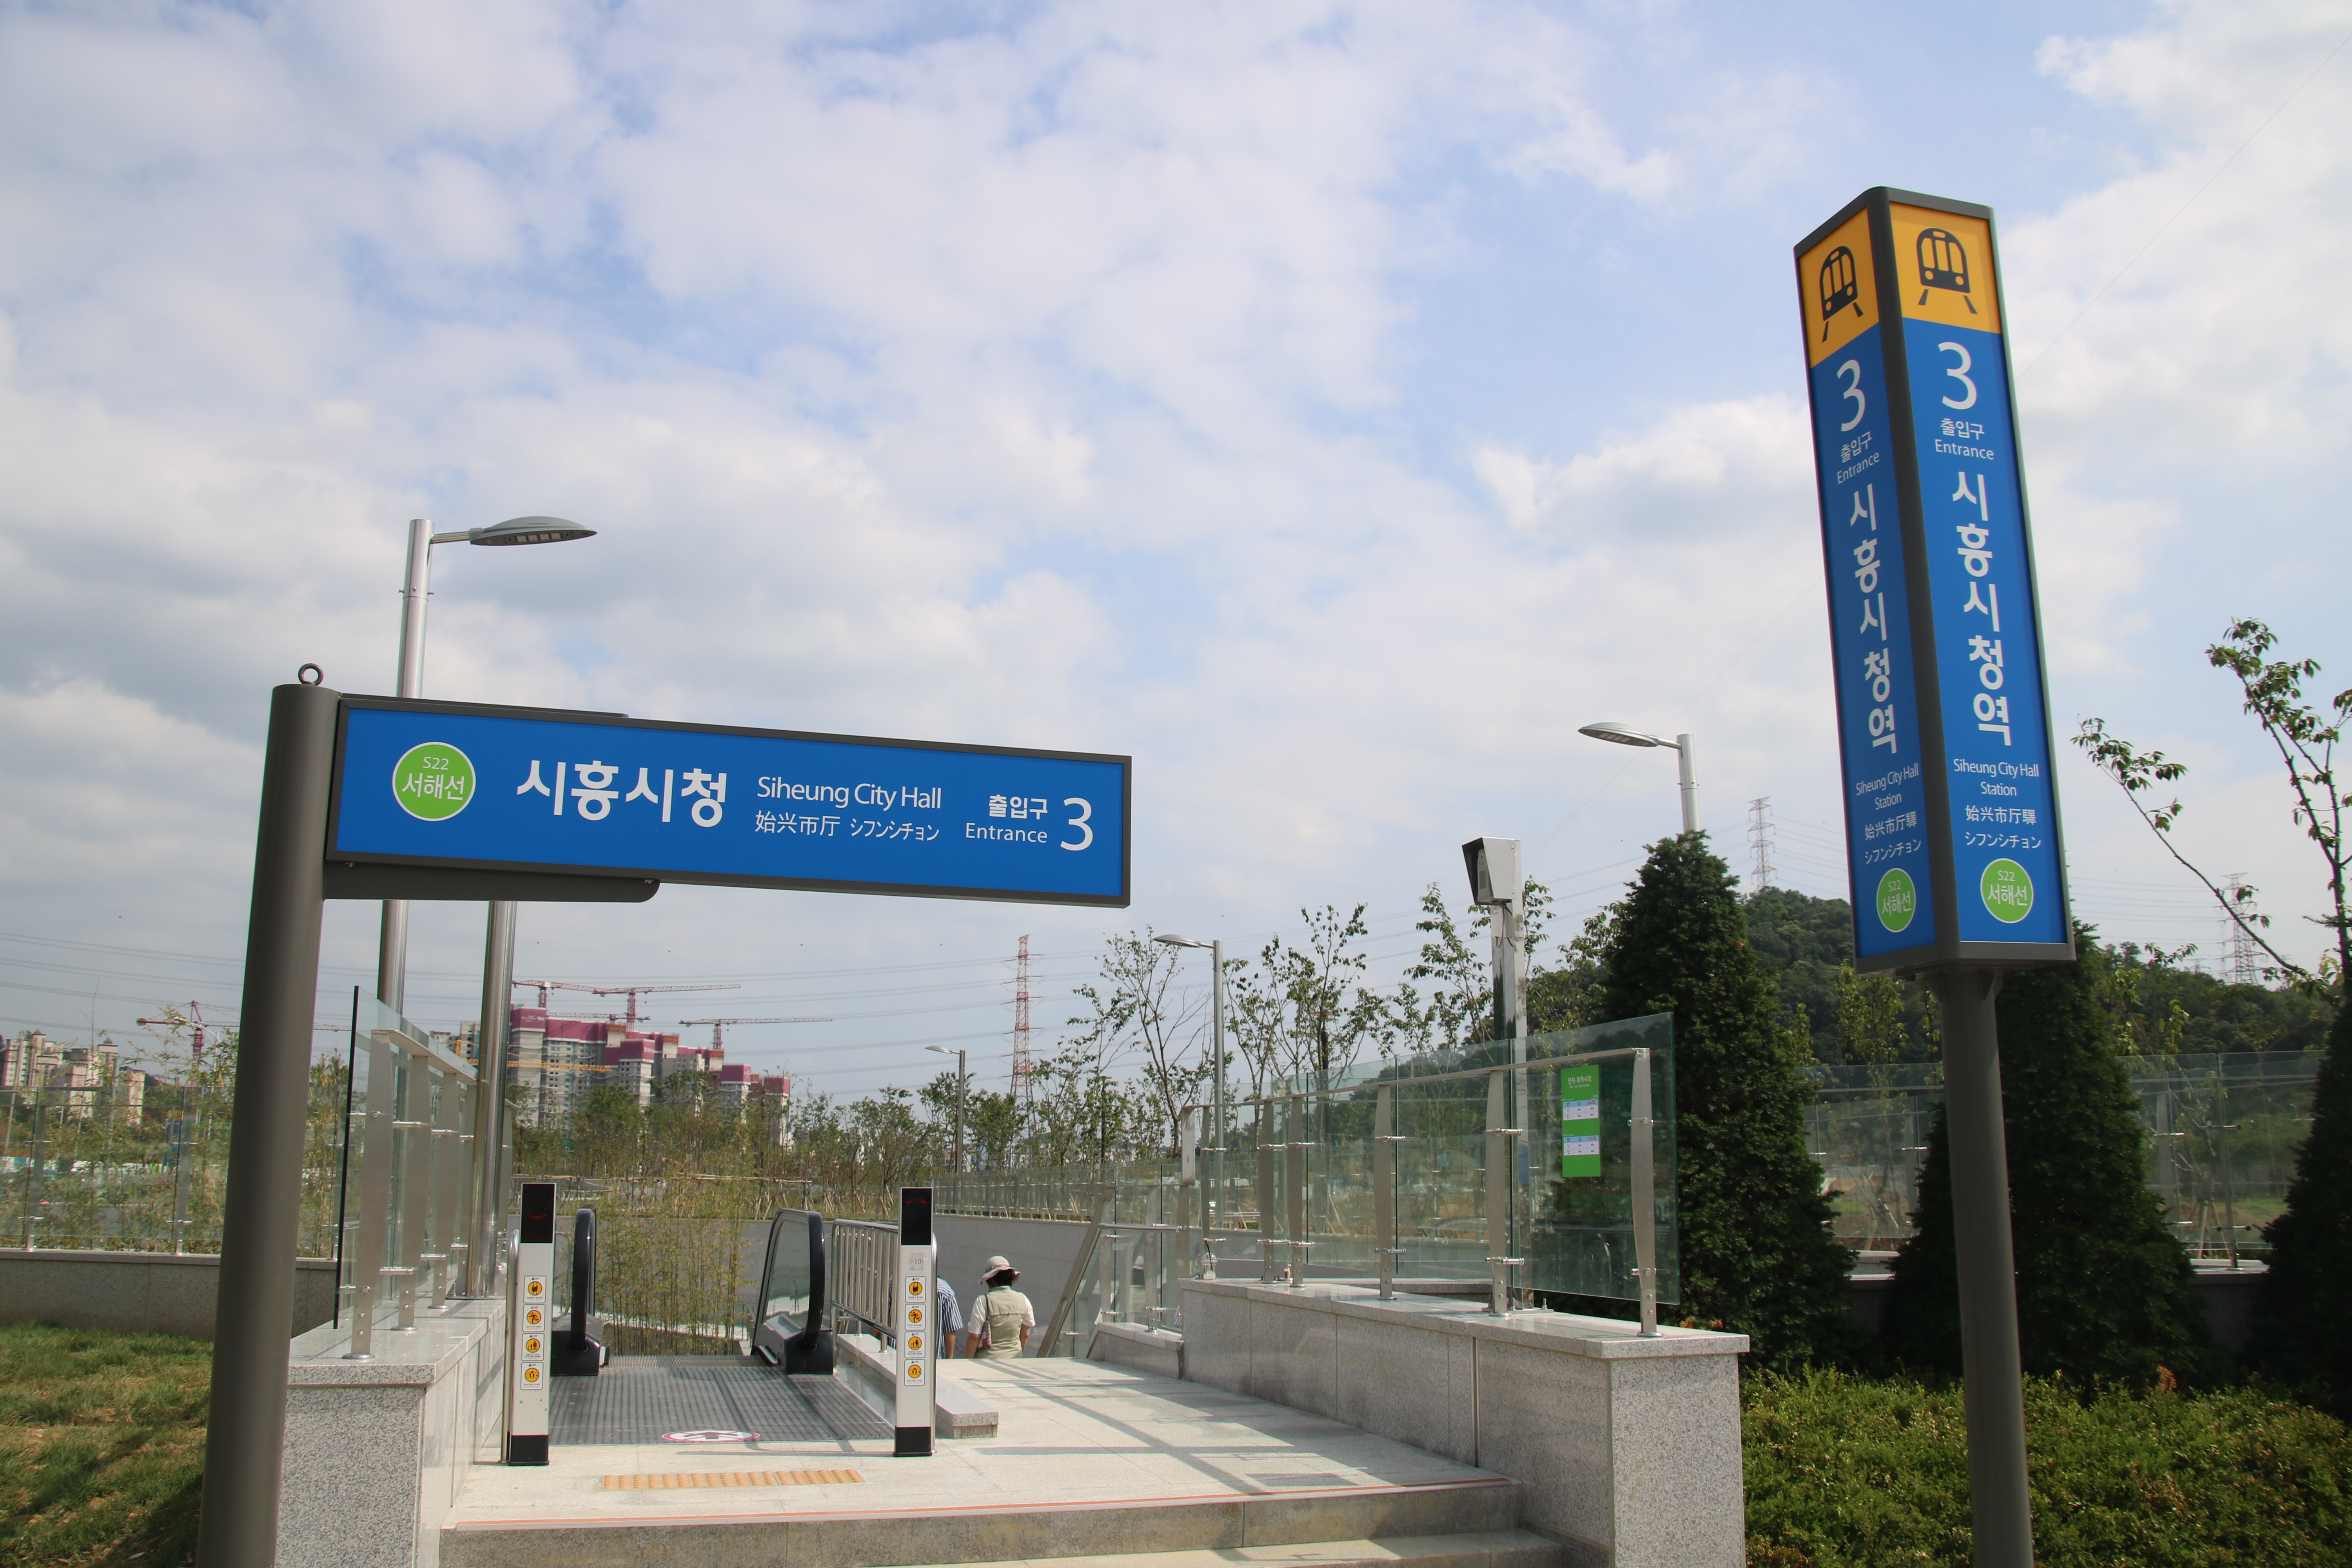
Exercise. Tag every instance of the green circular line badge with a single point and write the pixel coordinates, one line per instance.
(433, 781)
(2008, 891)
(1898, 900)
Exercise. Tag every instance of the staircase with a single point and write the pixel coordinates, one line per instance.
(1092, 1464)
(1468, 1524)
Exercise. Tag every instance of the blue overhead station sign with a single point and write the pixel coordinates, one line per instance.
(455, 785)
(1951, 809)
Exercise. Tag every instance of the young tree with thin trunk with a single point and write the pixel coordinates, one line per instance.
(2310, 1276)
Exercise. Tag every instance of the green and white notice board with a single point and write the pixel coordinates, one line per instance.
(1580, 1121)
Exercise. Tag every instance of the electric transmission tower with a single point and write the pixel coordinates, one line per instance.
(2245, 964)
(1759, 843)
(1021, 1066)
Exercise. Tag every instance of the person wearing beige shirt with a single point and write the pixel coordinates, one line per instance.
(1000, 1320)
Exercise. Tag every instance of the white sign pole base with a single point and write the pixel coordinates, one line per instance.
(530, 1319)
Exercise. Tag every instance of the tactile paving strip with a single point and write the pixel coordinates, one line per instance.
(732, 1478)
(639, 1402)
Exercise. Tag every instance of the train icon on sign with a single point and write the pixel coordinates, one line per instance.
(1943, 264)
(1840, 287)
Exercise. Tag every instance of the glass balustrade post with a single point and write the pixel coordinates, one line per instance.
(1384, 1207)
(1268, 1203)
(1295, 1185)
(461, 1208)
(1645, 1194)
(416, 1126)
(1188, 1181)
(2222, 1165)
(374, 1207)
(1498, 1192)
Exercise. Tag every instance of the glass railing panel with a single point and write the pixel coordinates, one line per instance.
(1579, 1228)
(1341, 1243)
(1441, 1178)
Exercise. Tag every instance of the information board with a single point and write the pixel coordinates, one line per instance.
(1580, 1121)
(465, 785)
(1951, 810)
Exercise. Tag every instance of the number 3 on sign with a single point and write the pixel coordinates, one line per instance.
(1851, 373)
(1960, 375)
(1085, 814)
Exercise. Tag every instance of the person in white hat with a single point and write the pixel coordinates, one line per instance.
(1002, 1318)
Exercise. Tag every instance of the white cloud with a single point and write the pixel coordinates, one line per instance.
(1036, 382)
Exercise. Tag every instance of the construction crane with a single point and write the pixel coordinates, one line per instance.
(194, 1021)
(631, 992)
(719, 1026)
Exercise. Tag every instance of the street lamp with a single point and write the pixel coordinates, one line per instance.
(1217, 1043)
(391, 949)
(1626, 735)
(1211, 1209)
(963, 1080)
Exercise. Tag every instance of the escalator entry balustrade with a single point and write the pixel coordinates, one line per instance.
(577, 1352)
(791, 1332)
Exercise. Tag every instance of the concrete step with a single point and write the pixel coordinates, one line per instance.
(1430, 1525)
(1483, 1548)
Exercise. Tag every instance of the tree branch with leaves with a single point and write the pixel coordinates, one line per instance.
(2306, 740)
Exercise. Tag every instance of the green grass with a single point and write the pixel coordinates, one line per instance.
(102, 1447)
(102, 1456)
(1845, 1472)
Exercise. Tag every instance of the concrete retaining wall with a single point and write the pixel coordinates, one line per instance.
(2226, 1295)
(1627, 1448)
(1043, 1249)
(141, 1292)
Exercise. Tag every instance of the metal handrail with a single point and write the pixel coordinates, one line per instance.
(863, 1259)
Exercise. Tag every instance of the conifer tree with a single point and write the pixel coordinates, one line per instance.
(1756, 1254)
(2102, 1290)
(2298, 1317)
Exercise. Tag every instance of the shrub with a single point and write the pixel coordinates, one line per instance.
(1756, 1254)
(1845, 1472)
(2298, 1317)
(2103, 1291)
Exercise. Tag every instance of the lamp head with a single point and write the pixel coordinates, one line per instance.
(1610, 730)
(529, 531)
(1175, 940)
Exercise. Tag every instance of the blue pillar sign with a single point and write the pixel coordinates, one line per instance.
(1943, 715)
(459, 785)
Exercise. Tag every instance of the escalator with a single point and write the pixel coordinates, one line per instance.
(782, 1392)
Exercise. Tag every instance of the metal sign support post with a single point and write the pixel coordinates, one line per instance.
(490, 1099)
(1956, 869)
(916, 1328)
(1498, 881)
(1992, 1362)
(531, 1325)
(244, 1439)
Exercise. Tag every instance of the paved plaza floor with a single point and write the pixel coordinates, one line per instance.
(1088, 1458)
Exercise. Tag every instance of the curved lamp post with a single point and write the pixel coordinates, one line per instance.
(1619, 734)
(392, 949)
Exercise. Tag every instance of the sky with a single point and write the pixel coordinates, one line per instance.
(1330, 405)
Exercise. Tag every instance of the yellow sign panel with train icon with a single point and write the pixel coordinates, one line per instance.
(1944, 262)
(1840, 287)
